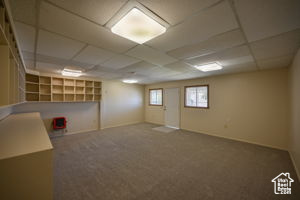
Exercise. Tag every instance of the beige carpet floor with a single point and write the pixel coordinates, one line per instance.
(164, 129)
(137, 163)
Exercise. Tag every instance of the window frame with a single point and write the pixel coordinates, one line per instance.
(162, 97)
(191, 86)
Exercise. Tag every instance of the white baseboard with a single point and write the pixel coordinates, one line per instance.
(235, 139)
(125, 124)
(230, 138)
(239, 140)
(7, 110)
(295, 166)
(90, 130)
(162, 124)
(83, 131)
(71, 133)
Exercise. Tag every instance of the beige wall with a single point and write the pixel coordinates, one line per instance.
(294, 143)
(251, 107)
(121, 104)
(81, 116)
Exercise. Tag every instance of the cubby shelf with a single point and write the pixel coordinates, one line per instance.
(12, 71)
(57, 89)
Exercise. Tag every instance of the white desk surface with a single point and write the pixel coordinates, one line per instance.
(22, 134)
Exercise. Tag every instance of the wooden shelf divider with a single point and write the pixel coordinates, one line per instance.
(57, 89)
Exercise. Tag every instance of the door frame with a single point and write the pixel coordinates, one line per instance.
(179, 104)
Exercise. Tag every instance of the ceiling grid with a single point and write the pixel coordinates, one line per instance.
(37, 11)
(231, 2)
(200, 31)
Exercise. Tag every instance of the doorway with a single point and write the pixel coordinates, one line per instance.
(171, 107)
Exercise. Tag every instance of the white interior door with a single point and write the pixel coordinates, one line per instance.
(172, 107)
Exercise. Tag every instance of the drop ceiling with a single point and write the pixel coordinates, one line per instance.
(241, 35)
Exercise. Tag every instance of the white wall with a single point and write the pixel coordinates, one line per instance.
(294, 143)
(121, 104)
(251, 107)
(81, 117)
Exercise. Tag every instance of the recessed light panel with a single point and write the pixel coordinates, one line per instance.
(209, 67)
(72, 73)
(138, 27)
(129, 81)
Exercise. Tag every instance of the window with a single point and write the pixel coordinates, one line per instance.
(196, 96)
(156, 97)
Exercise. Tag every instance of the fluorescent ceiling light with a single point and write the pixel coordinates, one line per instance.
(130, 81)
(209, 67)
(138, 27)
(70, 72)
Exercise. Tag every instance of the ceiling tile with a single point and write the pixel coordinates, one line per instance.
(26, 36)
(29, 63)
(151, 80)
(175, 11)
(180, 67)
(213, 44)
(235, 68)
(216, 20)
(159, 72)
(100, 68)
(188, 75)
(119, 62)
(57, 46)
(65, 23)
(27, 55)
(229, 69)
(276, 62)
(94, 73)
(49, 67)
(24, 11)
(138, 67)
(99, 11)
(150, 55)
(93, 55)
(62, 62)
(284, 44)
(137, 77)
(49, 59)
(261, 19)
(146, 81)
(110, 75)
(233, 56)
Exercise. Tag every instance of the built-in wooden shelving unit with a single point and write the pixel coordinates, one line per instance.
(12, 71)
(58, 89)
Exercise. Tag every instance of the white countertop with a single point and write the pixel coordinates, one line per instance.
(22, 134)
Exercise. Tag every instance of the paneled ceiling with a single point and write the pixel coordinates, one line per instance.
(242, 35)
